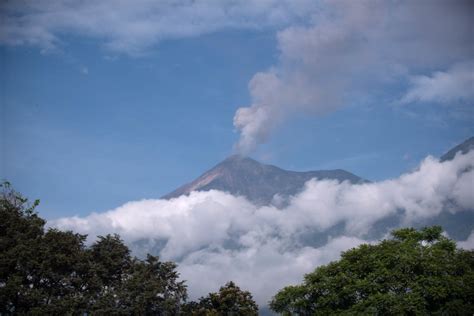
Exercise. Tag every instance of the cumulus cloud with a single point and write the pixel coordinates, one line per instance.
(132, 27)
(452, 86)
(357, 50)
(216, 237)
(263, 268)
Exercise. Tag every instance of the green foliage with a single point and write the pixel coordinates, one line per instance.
(230, 300)
(418, 272)
(21, 231)
(146, 279)
(53, 273)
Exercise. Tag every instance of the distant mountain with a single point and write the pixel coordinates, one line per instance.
(258, 182)
(458, 225)
(464, 147)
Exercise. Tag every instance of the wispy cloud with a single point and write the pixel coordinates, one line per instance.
(447, 87)
(132, 27)
(216, 236)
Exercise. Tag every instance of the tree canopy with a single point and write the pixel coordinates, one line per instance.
(230, 300)
(52, 272)
(417, 272)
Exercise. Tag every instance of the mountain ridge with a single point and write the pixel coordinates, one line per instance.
(240, 175)
(463, 147)
(261, 183)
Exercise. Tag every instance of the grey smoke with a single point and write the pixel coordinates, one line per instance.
(355, 50)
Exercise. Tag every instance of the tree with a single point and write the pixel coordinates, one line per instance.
(61, 275)
(418, 272)
(109, 263)
(152, 288)
(53, 273)
(21, 231)
(122, 285)
(230, 301)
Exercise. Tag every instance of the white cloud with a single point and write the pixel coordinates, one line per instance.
(468, 244)
(355, 51)
(263, 268)
(217, 237)
(132, 27)
(453, 86)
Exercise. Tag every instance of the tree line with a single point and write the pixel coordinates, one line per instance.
(52, 272)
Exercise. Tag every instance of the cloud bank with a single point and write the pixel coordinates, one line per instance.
(216, 237)
(357, 51)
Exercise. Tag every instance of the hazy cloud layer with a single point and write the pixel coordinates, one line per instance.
(132, 27)
(357, 51)
(216, 237)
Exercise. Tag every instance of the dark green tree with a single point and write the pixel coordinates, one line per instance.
(229, 301)
(21, 232)
(152, 288)
(110, 263)
(53, 273)
(418, 272)
(61, 277)
(122, 285)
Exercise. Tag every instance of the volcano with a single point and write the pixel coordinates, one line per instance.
(258, 182)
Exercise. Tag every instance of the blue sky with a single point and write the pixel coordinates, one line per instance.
(89, 124)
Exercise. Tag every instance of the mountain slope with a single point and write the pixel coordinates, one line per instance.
(259, 182)
(458, 225)
(256, 181)
(464, 147)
